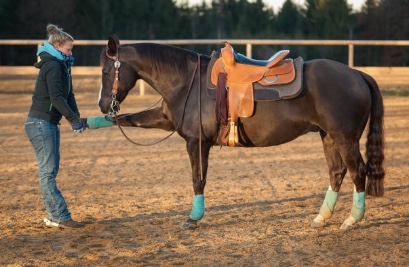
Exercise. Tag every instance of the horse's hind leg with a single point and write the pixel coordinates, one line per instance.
(337, 171)
(199, 179)
(353, 160)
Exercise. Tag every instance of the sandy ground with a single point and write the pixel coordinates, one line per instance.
(259, 201)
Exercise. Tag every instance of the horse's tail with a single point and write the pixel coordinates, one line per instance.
(375, 141)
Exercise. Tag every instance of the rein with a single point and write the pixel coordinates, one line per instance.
(115, 103)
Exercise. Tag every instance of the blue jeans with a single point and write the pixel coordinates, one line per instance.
(45, 138)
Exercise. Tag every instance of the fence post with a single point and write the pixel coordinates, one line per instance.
(38, 47)
(351, 55)
(141, 87)
(248, 50)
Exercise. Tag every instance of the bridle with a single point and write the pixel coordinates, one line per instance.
(117, 64)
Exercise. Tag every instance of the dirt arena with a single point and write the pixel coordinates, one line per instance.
(259, 201)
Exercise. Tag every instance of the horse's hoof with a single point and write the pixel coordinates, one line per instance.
(318, 222)
(348, 224)
(192, 225)
(347, 227)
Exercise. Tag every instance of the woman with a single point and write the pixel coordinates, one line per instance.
(53, 98)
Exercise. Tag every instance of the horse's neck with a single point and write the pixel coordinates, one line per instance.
(171, 73)
(162, 85)
(168, 85)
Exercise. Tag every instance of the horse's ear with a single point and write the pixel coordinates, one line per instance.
(113, 43)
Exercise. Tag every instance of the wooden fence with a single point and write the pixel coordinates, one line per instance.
(391, 76)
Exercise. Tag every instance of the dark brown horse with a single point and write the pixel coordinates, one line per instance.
(336, 101)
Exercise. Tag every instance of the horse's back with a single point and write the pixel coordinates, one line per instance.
(335, 99)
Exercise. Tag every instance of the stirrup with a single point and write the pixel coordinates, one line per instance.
(233, 134)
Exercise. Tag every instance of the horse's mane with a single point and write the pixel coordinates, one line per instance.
(165, 58)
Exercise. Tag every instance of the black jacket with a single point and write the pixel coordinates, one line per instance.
(53, 94)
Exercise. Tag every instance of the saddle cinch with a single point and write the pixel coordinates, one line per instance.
(240, 81)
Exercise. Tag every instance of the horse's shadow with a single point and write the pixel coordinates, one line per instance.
(256, 207)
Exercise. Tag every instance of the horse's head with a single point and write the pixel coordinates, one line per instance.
(118, 76)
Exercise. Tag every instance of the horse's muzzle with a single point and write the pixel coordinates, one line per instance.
(104, 106)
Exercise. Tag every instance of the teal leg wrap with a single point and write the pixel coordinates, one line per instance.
(97, 122)
(358, 206)
(198, 208)
(327, 207)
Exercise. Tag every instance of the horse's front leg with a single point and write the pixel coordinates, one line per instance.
(199, 180)
(151, 118)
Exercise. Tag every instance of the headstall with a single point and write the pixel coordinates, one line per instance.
(117, 64)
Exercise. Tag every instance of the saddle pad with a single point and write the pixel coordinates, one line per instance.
(272, 92)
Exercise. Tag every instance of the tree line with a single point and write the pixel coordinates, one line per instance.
(215, 19)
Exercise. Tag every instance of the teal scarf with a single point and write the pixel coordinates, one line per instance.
(50, 49)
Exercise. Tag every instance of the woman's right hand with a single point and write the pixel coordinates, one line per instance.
(79, 127)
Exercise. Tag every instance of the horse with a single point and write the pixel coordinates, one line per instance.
(336, 101)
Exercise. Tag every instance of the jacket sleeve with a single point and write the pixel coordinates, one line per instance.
(56, 88)
(72, 103)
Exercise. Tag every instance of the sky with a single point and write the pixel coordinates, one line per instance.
(276, 4)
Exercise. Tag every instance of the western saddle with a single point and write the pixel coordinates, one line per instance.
(238, 74)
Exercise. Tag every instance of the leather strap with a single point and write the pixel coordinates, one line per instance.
(117, 64)
(221, 99)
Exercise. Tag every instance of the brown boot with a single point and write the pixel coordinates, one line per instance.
(71, 224)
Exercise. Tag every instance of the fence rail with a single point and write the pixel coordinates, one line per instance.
(385, 76)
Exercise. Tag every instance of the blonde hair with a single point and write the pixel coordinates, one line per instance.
(56, 35)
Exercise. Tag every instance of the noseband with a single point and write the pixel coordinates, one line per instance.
(117, 64)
